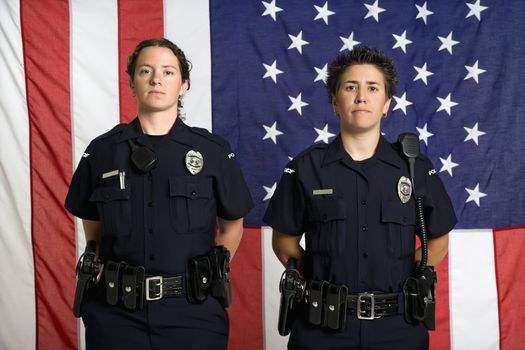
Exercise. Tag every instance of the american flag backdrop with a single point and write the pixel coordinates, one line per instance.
(258, 80)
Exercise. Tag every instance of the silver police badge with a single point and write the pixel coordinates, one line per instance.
(404, 189)
(194, 162)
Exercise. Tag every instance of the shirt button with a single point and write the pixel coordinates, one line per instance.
(404, 219)
(363, 202)
(150, 204)
(152, 257)
(365, 228)
(150, 177)
(365, 255)
(193, 193)
(150, 230)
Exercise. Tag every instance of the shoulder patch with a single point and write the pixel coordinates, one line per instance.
(85, 155)
(432, 172)
(231, 155)
(289, 171)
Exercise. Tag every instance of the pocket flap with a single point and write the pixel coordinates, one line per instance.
(190, 187)
(328, 209)
(399, 213)
(108, 194)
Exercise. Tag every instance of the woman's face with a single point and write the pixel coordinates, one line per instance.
(157, 82)
(360, 100)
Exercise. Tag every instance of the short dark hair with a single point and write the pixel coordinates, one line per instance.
(185, 65)
(361, 55)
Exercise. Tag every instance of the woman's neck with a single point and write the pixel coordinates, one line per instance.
(157, 123)
(360, 146)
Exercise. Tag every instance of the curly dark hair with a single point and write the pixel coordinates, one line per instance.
(361, 55)
(185, 65)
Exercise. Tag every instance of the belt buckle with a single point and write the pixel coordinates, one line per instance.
(362, 298)
(158, 281)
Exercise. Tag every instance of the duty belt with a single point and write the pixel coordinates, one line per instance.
(370, 305)
(329, 304)
(158, 287)
(130, 285)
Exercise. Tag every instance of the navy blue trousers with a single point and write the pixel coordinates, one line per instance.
(388, 333)
(170, 323)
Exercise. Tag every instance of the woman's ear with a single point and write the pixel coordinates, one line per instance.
(183, 88)
(132, 87)
(386, 106)
(334, 104)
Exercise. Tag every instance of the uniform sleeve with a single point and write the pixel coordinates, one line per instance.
(286, 211)
(233, 196)
(77, 199)
(439, 212)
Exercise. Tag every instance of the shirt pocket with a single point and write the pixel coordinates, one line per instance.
(114, 207)
(328, 220)
(400, 221)
(192, 204)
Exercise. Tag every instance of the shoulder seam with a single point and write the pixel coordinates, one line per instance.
(208, 135)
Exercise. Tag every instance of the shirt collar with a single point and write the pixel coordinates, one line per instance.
(335, 151)
(179, 132)
(384, 152)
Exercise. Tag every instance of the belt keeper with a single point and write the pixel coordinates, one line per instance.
(111, 277)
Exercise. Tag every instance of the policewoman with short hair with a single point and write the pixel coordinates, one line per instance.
(359, 283)
(150, 195)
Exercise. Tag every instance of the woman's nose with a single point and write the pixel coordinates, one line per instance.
(360, 97)
(155, 79)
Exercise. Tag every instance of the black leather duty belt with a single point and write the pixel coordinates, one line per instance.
(329, 304)
(158, 287)
(129, 286)
(370, 305)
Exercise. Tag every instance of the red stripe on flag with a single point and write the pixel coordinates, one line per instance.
(137, 20)
(510, 278)
(45, 35)
(440, 338)
(246, 330)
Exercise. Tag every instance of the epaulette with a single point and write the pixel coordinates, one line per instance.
(116, 129)
(207, 135)
(315, 146)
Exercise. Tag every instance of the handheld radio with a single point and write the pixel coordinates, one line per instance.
(419, 289)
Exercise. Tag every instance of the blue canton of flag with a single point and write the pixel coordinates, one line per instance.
(461, 89)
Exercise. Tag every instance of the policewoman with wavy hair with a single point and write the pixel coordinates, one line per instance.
(150, 195)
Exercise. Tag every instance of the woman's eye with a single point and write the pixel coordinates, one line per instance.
(144, 71)
(169, 73)
(373, 88)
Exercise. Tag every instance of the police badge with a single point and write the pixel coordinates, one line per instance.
(194, 162)
(404, 189)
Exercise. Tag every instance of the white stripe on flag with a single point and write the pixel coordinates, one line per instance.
(187, 24)
(94, 82)
(94, 71)
(272, 270)
(473, 297)
(17, 299)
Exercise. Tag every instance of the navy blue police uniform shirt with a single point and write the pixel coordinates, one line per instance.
(162, 218)
(357, 230)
